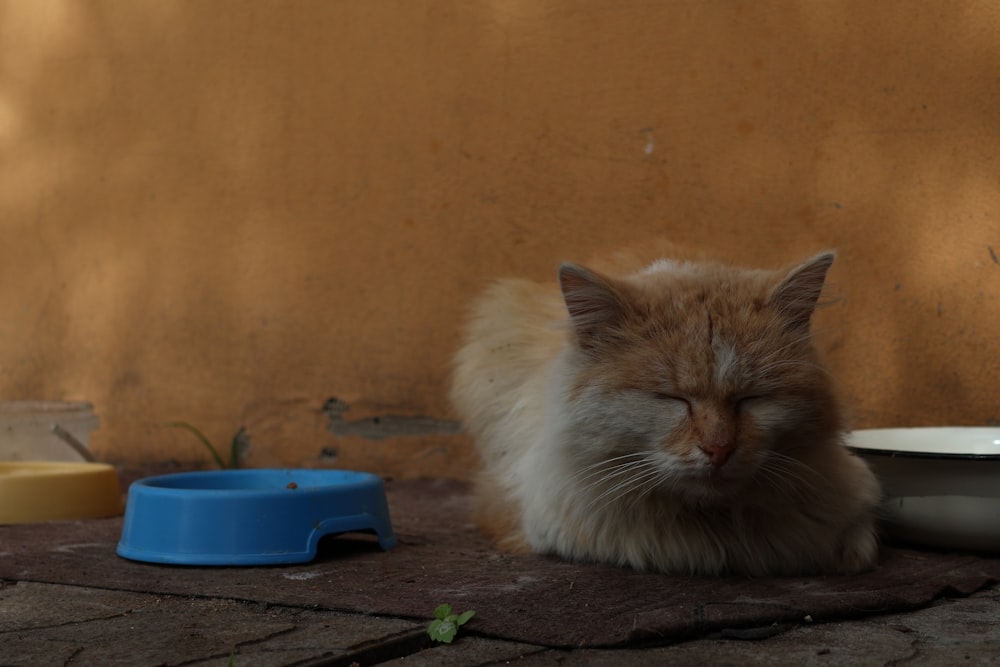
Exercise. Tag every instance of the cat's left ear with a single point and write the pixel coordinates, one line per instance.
(796, 295)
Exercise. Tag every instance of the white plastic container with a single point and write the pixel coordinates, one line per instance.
(46, 430)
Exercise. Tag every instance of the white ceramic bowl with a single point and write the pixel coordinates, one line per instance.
(941, 485)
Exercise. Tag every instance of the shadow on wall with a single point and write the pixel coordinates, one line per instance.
(221, 209)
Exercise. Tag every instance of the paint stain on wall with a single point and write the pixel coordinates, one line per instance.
(381, 427)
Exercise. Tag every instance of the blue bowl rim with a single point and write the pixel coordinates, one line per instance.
(339, 480)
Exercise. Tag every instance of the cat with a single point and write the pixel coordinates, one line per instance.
(673, 417)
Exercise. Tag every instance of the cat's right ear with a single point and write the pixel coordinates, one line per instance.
(797, 294)
(596, 307)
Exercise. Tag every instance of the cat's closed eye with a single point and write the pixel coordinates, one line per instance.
(752, 403)
(743, 401)
(673, 398)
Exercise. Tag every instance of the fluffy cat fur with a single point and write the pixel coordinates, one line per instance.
(673, 417)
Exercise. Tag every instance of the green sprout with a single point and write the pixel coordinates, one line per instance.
(445, 625)
(237, 449)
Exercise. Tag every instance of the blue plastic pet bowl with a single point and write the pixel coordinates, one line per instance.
(249, 517)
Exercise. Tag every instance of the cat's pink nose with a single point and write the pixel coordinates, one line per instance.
(717, 453)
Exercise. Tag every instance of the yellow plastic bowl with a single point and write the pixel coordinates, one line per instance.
(33, 491)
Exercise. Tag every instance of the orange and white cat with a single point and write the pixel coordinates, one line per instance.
(673, 417)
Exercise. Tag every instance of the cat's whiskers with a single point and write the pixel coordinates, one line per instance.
(780, 462)
(623, 479)
(645, 489)
(649, 473)
(602, 467)
(787, 473)
(779, 482)
(618, 471)
(602, 473)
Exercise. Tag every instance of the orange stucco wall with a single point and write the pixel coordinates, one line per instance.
(230, 212)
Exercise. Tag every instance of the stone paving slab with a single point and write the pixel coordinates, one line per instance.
(51, 624)
(44, 624)
(950, 633)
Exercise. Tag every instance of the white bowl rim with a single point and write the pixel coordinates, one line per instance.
(976, 442)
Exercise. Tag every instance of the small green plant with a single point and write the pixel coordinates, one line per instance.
(445, 625)
(237, 449)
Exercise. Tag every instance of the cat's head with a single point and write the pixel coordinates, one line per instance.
(695, 375)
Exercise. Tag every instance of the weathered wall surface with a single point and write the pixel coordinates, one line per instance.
(231, 212)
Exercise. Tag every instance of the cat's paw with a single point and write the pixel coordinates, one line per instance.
(858, 550)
